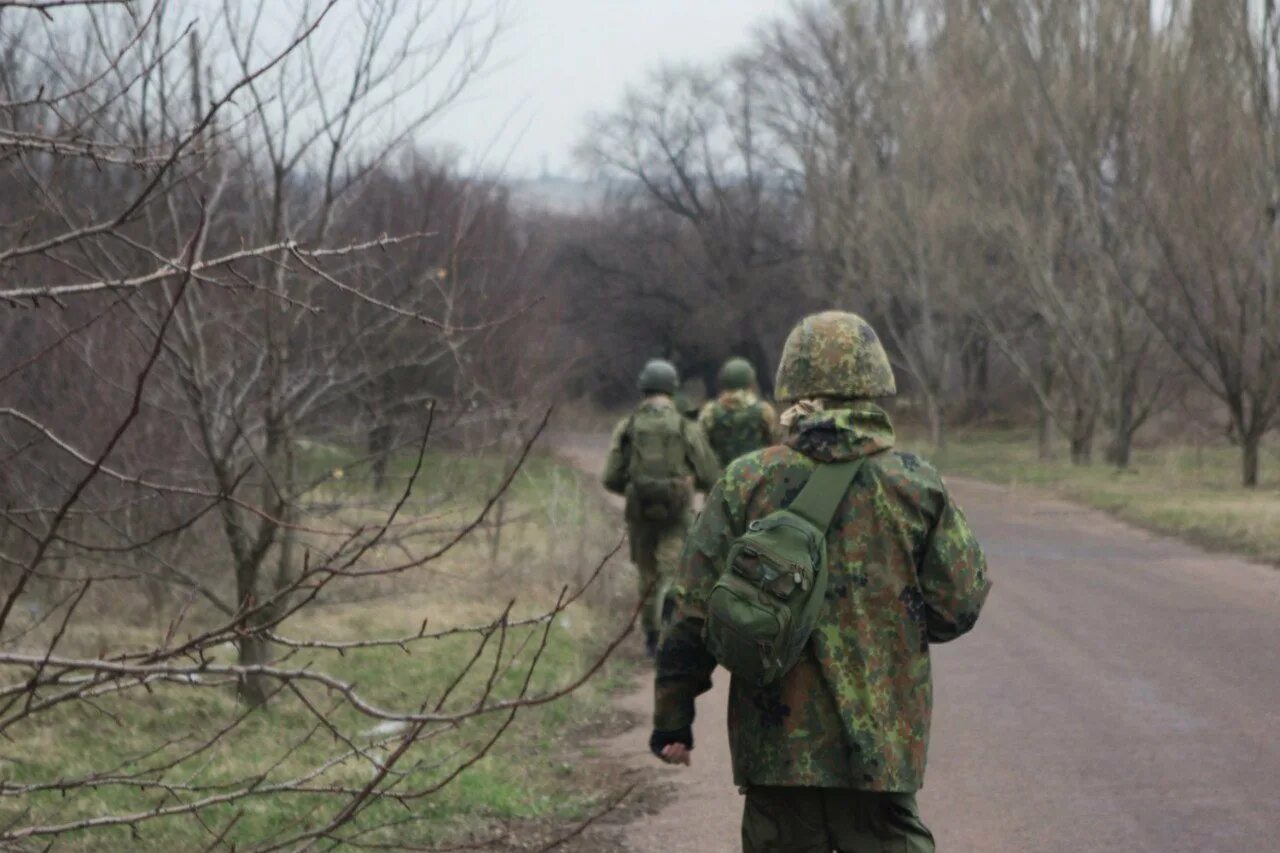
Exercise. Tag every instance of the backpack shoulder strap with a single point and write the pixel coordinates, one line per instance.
(826, 488)
(628, 437)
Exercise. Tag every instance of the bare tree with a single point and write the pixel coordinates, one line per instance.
(190, 253)
(861, 113)
(251, 380)
(1084, 252)
(1213, 209)
(697, 181)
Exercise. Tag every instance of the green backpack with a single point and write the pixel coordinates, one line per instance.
(765, 606)
(736, 432)
(657, 470)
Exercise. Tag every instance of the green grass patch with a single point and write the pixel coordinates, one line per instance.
(1191, 492)
(444, 478)
(469, 471)
(556, 532)
(526, 776)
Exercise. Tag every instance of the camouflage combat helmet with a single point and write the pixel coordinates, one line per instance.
(736, 375)
(659, 377)
(834, 354)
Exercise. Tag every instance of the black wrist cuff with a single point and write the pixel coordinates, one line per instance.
(660, 739)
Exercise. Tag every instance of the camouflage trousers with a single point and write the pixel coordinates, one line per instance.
(822, 820)
(655, 550)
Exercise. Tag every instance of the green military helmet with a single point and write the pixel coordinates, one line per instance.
(737, 374)
(659, 377)
(834, 354)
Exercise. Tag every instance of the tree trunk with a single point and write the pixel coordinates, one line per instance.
(1120, 451)
(1044, 433)
(285, 568)
(495, 529)
(1082, 428)
(254, 646)
(1250, 447)
(984, 371)
(380, 450)
(1082, 450)
(1046, 413)
(381, 434)
(975, 363)
(287, 556)
(937, 422)
(254, 651)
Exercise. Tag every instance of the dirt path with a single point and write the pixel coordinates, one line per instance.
(702, 806)
(1122, 692)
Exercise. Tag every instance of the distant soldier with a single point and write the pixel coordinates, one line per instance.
(656, 459)
(828, 746)
(738, 421)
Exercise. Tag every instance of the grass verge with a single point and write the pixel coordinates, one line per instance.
(1193, 493)
(527, 786)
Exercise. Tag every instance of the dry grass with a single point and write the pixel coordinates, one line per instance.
(560, 531)
(1185, 491)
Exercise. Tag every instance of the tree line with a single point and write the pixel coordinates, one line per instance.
(1080, 194)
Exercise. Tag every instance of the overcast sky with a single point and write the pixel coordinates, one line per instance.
(562, 59)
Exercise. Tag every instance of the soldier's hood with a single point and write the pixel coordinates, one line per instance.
(840, 434)
(739, 399)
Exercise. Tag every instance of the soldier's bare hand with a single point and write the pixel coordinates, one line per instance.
(677, 753)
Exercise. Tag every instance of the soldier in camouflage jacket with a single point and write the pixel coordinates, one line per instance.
(831, 754)
(738, 421)
(656, 545)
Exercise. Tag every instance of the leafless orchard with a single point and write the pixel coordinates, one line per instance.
(218, 244)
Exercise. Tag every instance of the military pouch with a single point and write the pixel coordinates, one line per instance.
(657, 500)
(763, 609)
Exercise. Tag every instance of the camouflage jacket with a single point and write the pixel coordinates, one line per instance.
(905, 571)
(702, 466)
(736, 423)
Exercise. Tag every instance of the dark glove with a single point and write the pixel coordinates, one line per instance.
(660, 739)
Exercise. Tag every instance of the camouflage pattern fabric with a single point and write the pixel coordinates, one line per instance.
(655, 551)
(655, 548)
(905, 571)
(738, 422)
(804, 820)
(834, 354)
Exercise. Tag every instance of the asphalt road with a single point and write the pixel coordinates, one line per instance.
(1121, 692)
